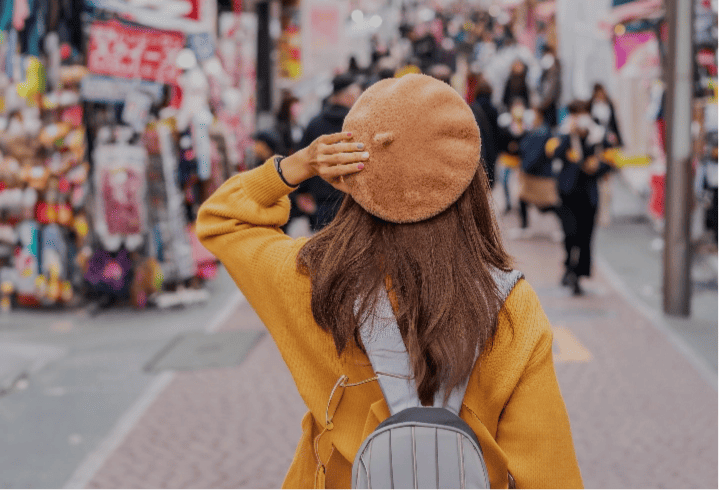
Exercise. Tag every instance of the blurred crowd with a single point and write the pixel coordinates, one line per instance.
(553, 155)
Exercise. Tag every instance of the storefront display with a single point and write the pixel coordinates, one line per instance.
(639, 34)
(108, 145)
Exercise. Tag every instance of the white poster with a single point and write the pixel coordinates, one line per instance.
(585, 50)
(324, 37)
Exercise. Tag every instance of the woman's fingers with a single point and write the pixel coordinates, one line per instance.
(341, 148)
(336, 157)
(332, 173)
(343, 158)
(330, 139)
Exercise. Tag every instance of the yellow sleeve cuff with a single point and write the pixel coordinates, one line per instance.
(264, 184)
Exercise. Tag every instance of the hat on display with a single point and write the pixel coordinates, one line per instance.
(423, 144)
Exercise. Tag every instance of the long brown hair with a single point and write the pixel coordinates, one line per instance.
(445, 300)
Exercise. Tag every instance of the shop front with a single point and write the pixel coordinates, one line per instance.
(117, 119)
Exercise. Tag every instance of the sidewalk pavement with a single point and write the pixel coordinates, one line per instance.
(642, 416)
(633, 249)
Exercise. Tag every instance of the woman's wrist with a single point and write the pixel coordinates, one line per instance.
(295, 168)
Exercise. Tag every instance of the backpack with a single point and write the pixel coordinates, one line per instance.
(417, 446)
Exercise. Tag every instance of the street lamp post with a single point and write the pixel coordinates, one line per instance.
(677, 202)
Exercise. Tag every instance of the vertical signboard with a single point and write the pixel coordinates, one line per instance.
(290, 44)
(324, 48)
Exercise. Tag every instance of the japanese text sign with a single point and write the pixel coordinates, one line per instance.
(134, 52)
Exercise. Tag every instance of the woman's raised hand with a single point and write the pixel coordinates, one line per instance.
(330, 156)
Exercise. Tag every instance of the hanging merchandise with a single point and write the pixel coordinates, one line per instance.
(146, 282)
(54, 253)
(202, 45)
(177, 244)
(201, 141)
(120, 190)
(237, 51)
(137, 109)
(109, 143)
(27, 261)
(29, 20)
(290, 43)
(34, 83)
(110, 273)
(42, 181)
(205, 262)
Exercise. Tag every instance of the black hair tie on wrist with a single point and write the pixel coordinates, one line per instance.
(279, 171)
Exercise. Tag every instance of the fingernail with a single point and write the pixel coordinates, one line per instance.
(365, 155)
(349, 134)
(360, 166)
(360, 146)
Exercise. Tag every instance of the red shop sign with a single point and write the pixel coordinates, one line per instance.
(134, 52)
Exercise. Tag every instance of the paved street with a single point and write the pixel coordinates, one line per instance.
(633, 399)
(120, 120)
(643, 415)
(59, 413)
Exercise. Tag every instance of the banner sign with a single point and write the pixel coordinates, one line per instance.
(94, 88)
(324, 26)
(132, 52)
(172, 15)
(637, 51)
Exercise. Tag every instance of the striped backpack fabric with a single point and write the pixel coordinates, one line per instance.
(417, 446)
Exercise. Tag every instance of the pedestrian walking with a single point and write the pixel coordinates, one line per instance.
(537, 185)
(550, 86)
(486, 117)
(516, 86)
(580, 146)
(602, 110)
(287, 124)
(290, 132)
(424, 46)
(315, 197)
(512, 128)
(414, 256)
(265, 143)
(485, 49)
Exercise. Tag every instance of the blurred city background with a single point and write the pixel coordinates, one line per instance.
(128, 358)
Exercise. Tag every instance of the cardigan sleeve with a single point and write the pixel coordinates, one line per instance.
(533, 429)
(240, 224)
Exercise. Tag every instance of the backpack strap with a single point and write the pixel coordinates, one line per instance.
(387, 353)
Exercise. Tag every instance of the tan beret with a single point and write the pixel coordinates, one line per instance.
(423, 143)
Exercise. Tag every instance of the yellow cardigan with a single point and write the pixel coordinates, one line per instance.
(512, 403)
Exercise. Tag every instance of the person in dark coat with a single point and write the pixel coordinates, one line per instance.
(425, 48)
(580, 146)
(483, 98)
(287, 125)
(486, 116)
(602, 110)
(516, 86)
(512, 128)
(537, 185)
(550, 86)
(316, 197)
(266, 143)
